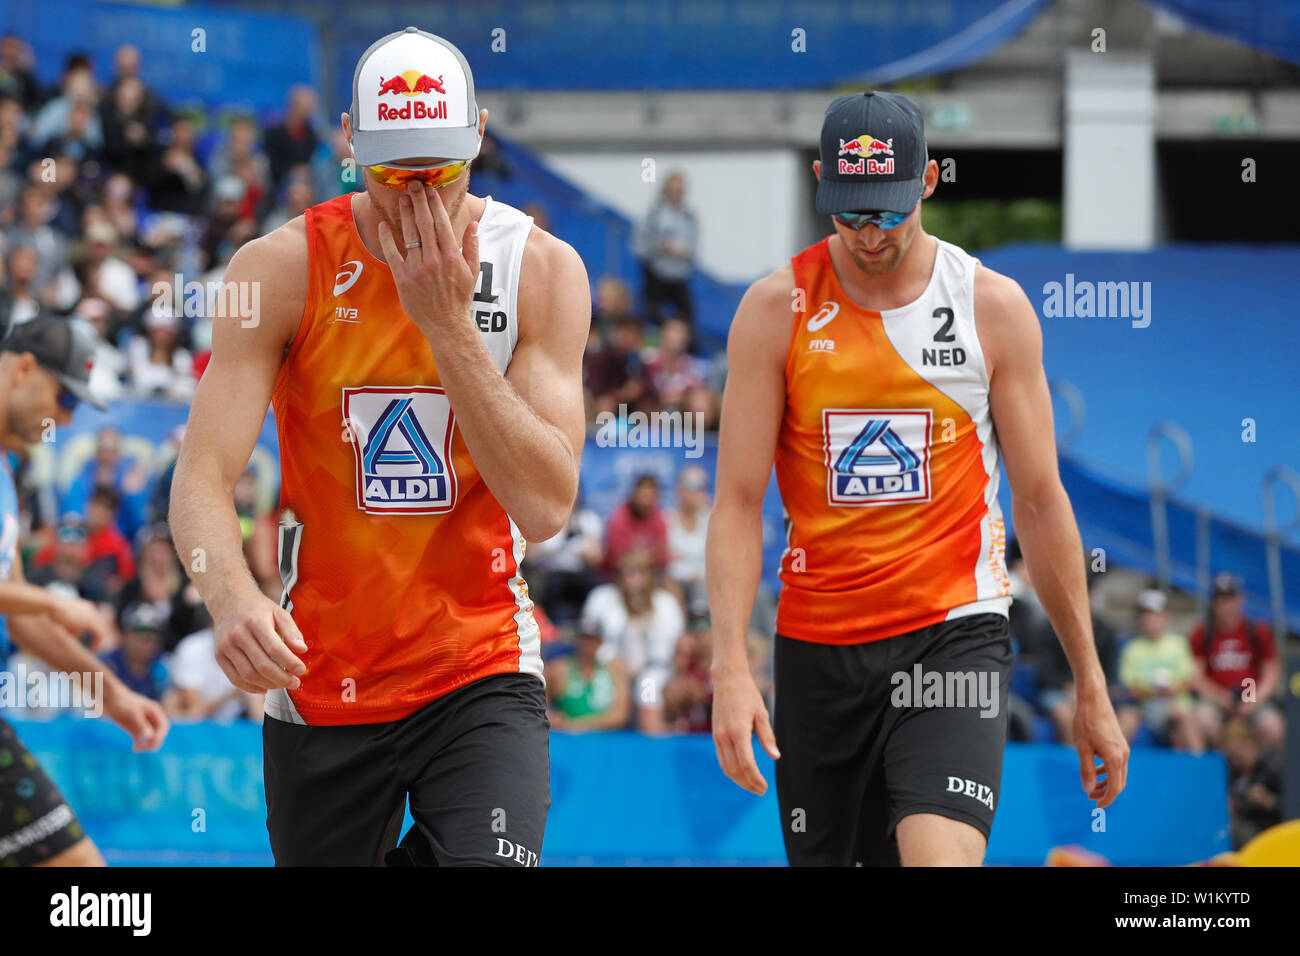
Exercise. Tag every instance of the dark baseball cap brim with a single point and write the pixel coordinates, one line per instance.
(82, 390)
(899, 195)
(378, 147)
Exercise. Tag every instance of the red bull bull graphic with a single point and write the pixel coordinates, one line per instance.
(866, 147)
(412, 83)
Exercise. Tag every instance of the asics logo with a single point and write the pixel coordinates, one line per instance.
(823, 316)
(346, 278)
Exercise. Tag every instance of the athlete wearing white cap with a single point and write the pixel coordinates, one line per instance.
(422, 348)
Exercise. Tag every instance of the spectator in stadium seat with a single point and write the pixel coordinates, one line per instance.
(159, 582)
(198, 690)
(611, 304)
(292, 141)
(1156, 668)
(672, 370)
(126, 68)
(130, 143)
(665, 244)
(110, 363)
(17, 72)
(563, 569)
(299, 193)
(1254, 783)
(33, 231)
(638, 525)
(226, 219)
(61, 565)
(615, 375)
(138, 662)
(21, 300)
(639, 625)
(119, 211)
(240, 144)
(586, 693)
(81, 138)
(179, 182)
(157, 365)
(116, 281)
(688, 525)
(688, 693)
(1237, 667)
(109, 467)
(109, 559)
(77, 88)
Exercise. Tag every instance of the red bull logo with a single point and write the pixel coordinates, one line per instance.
(865, 147)
(412, 83)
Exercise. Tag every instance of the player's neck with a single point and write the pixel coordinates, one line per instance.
(891, 290)
(367, 221)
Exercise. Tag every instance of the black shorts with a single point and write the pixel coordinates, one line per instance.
(475, 765)
(36, 823)
(860, 750)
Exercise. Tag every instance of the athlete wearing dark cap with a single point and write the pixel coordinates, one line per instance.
(45, 367)
(886, 373)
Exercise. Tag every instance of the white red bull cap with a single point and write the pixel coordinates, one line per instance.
(873, 154)
(413, 98)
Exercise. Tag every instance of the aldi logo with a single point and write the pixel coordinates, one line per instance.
(877, 456)
(401, 438)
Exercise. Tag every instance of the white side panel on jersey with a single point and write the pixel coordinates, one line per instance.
(279, 705)
(925, 337)
(526, 629)
(503, 231)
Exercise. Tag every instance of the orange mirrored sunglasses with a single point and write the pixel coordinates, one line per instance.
(396, 177)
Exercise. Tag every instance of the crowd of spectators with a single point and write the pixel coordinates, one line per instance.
(1214, 687)
(106, 191)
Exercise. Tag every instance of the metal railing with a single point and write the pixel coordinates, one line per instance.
(1273, 536)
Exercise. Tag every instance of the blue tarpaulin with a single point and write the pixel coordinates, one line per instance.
(616, 799)
(1272, 26)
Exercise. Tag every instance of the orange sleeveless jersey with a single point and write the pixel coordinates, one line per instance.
(400, 567)
(886, 461)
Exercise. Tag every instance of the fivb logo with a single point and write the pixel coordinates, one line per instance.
(877, 456)
(401, 438)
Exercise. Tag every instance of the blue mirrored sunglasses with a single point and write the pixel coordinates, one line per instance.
(67, 400)
(871, 217)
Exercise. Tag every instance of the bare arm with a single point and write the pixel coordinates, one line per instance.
(225, 419)
(47, 637)
(752, 407)
(534, 412)
(1049, 537)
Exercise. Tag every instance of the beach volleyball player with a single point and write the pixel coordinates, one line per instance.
(885, 372)
(45, 367)
(422, 350)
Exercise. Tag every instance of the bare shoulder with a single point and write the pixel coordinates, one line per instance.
(278, 263)
(765, 318)
(1005, 319)
(551, 264)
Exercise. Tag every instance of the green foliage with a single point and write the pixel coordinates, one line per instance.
(976, 224)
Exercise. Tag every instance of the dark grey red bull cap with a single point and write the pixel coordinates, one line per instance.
(63, 347)
(413, 98)
(873, 154)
